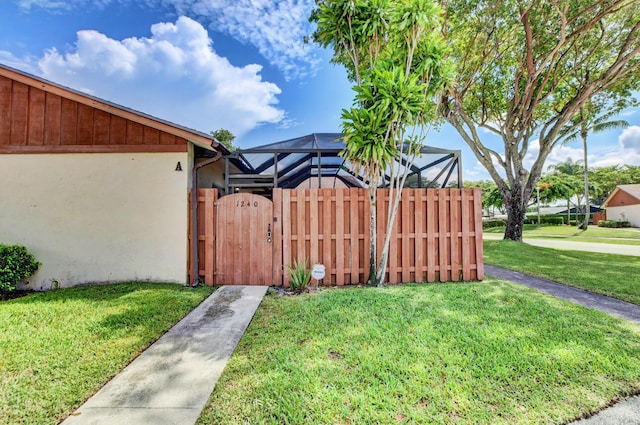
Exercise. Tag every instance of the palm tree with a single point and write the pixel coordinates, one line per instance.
(569, 173)
(595, 118)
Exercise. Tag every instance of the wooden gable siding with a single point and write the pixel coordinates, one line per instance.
(621, 199)
(33, 120)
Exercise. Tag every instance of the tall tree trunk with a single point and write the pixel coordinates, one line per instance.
(394, 203)
(373, 245)
(516, 209)
(587, 204)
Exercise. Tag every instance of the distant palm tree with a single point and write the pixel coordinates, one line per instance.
(569, 167)
(565, 182)
(590, 118)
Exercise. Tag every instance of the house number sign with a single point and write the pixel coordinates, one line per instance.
(243, 203)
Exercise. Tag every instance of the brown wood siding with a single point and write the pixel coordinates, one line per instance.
(151, 136)
(52, 120)
(101, 126)
(5, 111)
(33, 120)
(69, 122)
(85, 125)
(118, 131)
(621, 199)
(35, 129)
(19, 113)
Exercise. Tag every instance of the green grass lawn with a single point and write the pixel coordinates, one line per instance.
(57, 348)
(475, 353)
(608, 274)
(592, 234)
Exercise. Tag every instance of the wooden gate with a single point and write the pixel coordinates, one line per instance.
(244, 241)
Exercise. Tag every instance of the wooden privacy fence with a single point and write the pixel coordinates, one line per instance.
(437, 234)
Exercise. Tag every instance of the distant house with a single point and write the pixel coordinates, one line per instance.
(96, 191)
(592, 209)
(624, 204)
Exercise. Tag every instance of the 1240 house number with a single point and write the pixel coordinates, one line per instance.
(241, 204)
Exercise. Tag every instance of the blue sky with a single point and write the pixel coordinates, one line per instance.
(208, 64)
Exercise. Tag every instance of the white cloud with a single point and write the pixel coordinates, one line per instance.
(59, 5)
(276, 28)
(558, 154)
(630, 138)
(288, 123)
(174, 74)
(9, 59)
(629, 112)
(626, 152)
(477, 172)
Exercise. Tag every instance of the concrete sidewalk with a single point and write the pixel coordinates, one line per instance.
(600, 302)
(170, 382)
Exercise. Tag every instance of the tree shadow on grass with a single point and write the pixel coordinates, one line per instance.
(93, 292)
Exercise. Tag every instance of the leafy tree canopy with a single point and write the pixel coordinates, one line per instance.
(225, 137)
(394, 54)
(523, 71)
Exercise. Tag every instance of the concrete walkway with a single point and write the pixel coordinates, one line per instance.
(624, 413)
(609, 305)
(171, 381)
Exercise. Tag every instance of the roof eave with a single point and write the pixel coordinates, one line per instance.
(605, 204)
(193, 136)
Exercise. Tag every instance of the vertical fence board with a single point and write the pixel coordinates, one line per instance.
(477, 215)
(364, 208)
(419, 235)
(286, 234)
(381, 221)
(314, 241)
(466, 247)
(202, 216)
(454, 219)
(210, 199)
(328, 215)
(300, 225)
(406, 260)
(431, 235)
(443, 233)
(339, 212)
(354, 230)
(277, 237)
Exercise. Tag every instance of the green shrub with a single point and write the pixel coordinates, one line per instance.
(16, 264)
(493, 223)
(613, 224)
(299, 275)
(544, 219)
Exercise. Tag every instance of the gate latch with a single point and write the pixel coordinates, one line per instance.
(269, 233)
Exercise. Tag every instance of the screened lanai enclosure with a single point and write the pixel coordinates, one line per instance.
(312, 161)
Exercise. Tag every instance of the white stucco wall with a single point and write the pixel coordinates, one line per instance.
(97, 217)
(630, 213)
(212, 175)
